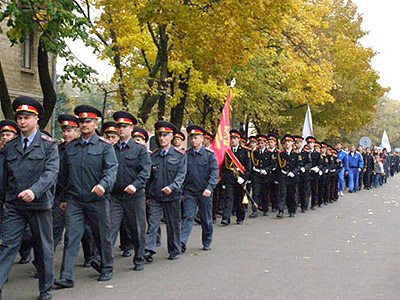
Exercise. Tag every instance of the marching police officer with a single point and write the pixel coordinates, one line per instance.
(140, 135)
(168, 171)
(88, 174)
(31, 168)
(201, 180)
(263, 165)
(288, 162)
(70, 132)
(235, 171)
(128, 195)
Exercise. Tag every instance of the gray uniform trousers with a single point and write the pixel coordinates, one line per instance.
(172, 214)
(15, 224)
(131, 208)
(98, 215)
(190, 204)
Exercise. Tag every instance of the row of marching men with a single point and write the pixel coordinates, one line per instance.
(88, 186)
(303, 171)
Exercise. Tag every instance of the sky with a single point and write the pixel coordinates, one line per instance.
(381, 19)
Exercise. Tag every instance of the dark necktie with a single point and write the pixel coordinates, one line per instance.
(163, 153)
(26, 141)
(123, 145)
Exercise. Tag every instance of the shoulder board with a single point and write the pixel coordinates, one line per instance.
(179, 150)
(104, 140)
(46, 138)
(209, 150)
(155, 151)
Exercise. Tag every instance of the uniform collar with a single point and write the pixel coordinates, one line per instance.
(92, 140)
(30, 138)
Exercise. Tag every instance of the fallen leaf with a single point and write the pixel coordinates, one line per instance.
(267, 232)
(354, 222)
(365, 252)
(266, 271)
(370, 213)
(337, 251)
(109, 286)
(305, 234)
(306, 257)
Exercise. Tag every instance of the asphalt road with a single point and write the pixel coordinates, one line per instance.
(348, 250)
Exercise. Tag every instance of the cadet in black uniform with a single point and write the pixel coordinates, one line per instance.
(304, 174)
(70, 132)
(314, 169)
(274, 187)
(234, 178)
(128, 196)
(31, 169)
(368, 168)
(88, 174)
(263, 165)
(201, 180)
(168, 173)
(288, 162)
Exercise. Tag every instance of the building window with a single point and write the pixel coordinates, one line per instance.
(27, 49)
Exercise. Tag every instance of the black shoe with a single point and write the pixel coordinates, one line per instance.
(0, 294)
(46, 296)
(197, 220)
(105, 276)
(148, 256)
(303, 210)
(240, 222)
(138, 267)
(88, 262)
(183, 247)
(64, 283)
(253, 215)
(291, 215)
(280, 215)
(25, 260)
(350, 191)
(313, 208)
(96, 265)
(265, 213)
(127, 253)
(207, 248)
(173, 257)
(225, 222)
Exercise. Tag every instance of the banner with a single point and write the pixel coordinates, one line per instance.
(221, 142)
(385, 142)
(308, 126)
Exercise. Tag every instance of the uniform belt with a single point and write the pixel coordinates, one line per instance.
(353, 167)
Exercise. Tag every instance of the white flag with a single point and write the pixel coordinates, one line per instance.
(385, 142)
(308, 128)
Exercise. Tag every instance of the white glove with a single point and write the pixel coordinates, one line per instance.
(290, 174)
(315, 169)
(303, 170)
(320, 173)
(263, 172)
(334, 170)
(326, 171)
(240, 180)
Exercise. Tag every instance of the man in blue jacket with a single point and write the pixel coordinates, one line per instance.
(342, 155)
(354, 166)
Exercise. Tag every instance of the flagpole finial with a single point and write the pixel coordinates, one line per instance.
(233, 82)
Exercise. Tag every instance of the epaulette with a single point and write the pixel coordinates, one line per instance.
(155, 151)
(281, 151)
(209, 150)
(46, 138)
(179, 150)
(104, 140)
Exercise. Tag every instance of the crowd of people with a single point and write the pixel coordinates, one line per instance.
(90, 189)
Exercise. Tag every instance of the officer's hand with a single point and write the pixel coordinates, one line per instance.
(303, 169)
(263, 172)
(320, 173)
(130, 189)
(206, 193)
(27, 196)
(291, 174)
(347, 172)
(98, 190)
(359, 169)
(167, 190)
(63, 206)
(240, 180)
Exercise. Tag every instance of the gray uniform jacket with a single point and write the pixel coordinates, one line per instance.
(35, 169)
(85, 166)
(167, 171)
(133, 166)
(202, 171)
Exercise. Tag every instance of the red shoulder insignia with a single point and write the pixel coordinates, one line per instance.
(155, 151)
(46, 138)
(104, 140)
(281, 151)
(179, 150)
(209, 150)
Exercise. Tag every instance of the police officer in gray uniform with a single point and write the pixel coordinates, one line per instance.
(128, 196)
(201, 180)
(88, 173)
(31, 168)
(168, 171)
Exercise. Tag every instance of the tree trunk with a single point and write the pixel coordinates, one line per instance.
(49, 93)
(178, 111)
(163, 87)
(6, 106)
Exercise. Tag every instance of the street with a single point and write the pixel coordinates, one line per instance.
(347, 250)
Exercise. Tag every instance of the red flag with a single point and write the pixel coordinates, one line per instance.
(221, 142)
